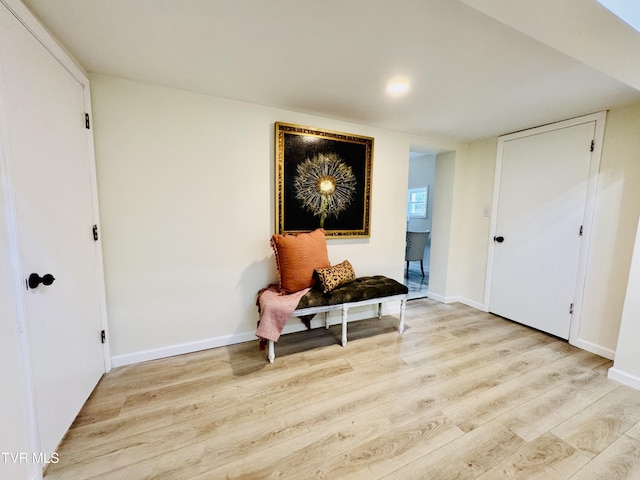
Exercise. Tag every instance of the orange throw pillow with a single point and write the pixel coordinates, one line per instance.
(297, 257)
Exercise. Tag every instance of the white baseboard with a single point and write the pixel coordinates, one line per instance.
(180, 349)
(473, 304)
(624, 378)
(294, 325)
(593, 348)
(438, 298)
(455, 298)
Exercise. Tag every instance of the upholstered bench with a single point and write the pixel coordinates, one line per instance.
(362, 291)
(308, 284)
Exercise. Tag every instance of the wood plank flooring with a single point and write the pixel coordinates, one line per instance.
(461, 395)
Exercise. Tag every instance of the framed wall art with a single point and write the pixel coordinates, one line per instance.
(323, 180)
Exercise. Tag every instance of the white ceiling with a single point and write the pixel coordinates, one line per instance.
(471, 75)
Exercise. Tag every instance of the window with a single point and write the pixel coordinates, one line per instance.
(417, 202)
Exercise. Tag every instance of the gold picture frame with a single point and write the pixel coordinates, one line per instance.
(323, 180)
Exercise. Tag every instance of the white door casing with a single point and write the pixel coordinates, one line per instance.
(544, 195)
(49, 156)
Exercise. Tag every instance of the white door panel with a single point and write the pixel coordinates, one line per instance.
(541, 207)
(48, 150)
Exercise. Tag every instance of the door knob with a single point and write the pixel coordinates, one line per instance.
(35, 280)
(499, 239)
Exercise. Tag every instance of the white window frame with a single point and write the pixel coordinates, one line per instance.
(411, 212)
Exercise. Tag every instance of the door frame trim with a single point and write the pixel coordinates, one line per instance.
(592, 188)
(48, 41)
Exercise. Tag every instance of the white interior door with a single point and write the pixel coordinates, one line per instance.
(48, 151)
(541, 207)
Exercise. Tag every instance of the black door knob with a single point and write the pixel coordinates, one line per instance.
(35, 280)
(499, 239)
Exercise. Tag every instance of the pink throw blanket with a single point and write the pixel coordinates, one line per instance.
(274, 310)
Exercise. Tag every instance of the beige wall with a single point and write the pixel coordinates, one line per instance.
(614, 229)
(185, 184)
(464, 188)
(441, 231)
(474, 191)
(626, 368)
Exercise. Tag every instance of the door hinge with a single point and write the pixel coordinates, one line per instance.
(95, 233)
(103, 336)
(581, 231)
(570, 310)
(593, 145)
(87, 122)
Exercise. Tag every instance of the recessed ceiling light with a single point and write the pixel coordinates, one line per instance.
(397, 88)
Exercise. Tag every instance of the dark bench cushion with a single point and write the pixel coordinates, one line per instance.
(362, 288)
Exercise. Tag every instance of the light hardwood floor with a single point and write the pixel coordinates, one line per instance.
(461, 395)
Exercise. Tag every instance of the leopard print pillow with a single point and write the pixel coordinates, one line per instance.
(335, 276)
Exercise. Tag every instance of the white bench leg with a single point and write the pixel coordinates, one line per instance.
(272, 351)
(326, 320)
(380, 310)
(403, 305)
(345, 309)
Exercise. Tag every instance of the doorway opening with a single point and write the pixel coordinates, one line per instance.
(420, 187)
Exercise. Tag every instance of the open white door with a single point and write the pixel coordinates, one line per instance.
(543, 190)
(48, 151)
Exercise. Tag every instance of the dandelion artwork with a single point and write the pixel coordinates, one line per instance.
(325, 185)
(323, 180)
